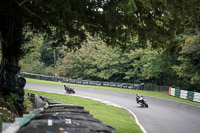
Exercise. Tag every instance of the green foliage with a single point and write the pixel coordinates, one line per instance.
(8, 110)
(3, 118)
(111, 63)
(129, 6)
(134, 73)
(32, 67)
(76, 64)
(31, 62)
(49, 71)
(27, 104)
(69, 21)
(10, 99)
(47, 53)
(190, 60)
(95, 61)
(51, 51)
(151, 65)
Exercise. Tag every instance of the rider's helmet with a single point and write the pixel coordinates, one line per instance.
(137, 94)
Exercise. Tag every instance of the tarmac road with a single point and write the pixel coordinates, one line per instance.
(162, 116)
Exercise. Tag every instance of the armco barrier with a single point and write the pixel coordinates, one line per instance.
(189, 95)
(173, 91)
(177, 93)
(196, 97)
(183, 94)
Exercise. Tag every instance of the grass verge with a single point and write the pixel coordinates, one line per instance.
(148, 93)
(119, 118)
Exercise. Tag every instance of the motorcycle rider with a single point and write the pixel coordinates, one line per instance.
(138, 96)
(68, 89)
(141, 100)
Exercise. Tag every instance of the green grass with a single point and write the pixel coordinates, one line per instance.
(119, 118)
(148, 93)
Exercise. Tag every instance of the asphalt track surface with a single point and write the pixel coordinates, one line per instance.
(162, 116)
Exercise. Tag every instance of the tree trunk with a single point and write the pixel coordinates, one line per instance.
(12, 38)
(55, 57)
(11, 34)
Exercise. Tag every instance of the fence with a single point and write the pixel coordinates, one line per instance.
(150, 87)
(140, 86)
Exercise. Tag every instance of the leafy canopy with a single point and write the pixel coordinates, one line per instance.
(116, 21)
(190, 60)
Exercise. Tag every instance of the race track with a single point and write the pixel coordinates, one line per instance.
(162, 116)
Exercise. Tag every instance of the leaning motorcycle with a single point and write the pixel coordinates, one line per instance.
(143, 102)
(69, 90)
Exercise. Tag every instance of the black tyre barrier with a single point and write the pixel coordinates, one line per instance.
(65, 80)
(78, 81)
(113, 84)
(140, 86)
(12, 83)
(98, 83)
(72, 80)
(107, 84)
(85, 82)
(59, 118)
(91, 82)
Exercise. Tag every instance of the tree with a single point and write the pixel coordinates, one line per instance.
(110, 63)
(134, 72)
(78, 64)
(31, 62)
(189, 58)
(158, 67)
(116, 21)
(149, 65)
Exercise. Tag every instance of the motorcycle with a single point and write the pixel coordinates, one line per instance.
(143, 102)
(69, 90)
